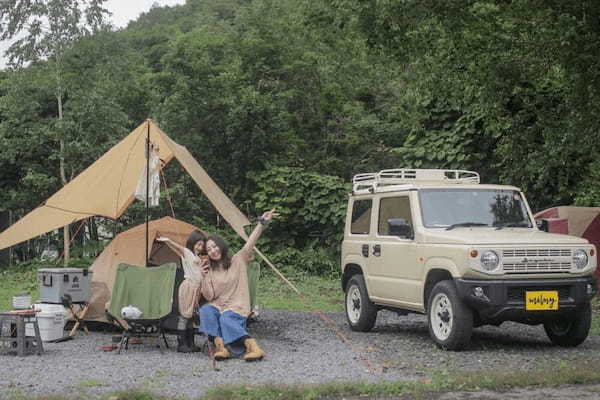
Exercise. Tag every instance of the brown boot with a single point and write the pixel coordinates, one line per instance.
(253, 352)
(221, 352)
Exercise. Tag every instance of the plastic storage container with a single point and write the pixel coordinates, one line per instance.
(55, 283)
(51, 321)
(21, 302)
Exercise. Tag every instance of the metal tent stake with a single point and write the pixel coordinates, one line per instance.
(147, 187)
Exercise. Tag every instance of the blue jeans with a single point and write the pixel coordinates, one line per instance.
(228, 325)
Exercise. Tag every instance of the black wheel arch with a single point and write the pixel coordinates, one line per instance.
(349, 271)
(433, 277)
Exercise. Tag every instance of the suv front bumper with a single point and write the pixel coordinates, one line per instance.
(504, 300)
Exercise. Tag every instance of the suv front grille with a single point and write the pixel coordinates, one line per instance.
(536, 266)
(531, 261)
(536, 253)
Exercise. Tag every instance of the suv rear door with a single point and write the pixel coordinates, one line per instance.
(358, 233)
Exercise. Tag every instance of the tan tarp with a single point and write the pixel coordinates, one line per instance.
(578, 221)
(128, 248)
(107, 188)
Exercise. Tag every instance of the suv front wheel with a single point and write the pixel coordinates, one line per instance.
(361, 313)
(450, 320)
(570, 332)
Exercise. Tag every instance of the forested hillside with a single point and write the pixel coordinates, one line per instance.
(282, 101)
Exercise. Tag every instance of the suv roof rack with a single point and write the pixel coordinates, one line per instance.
(372, 181)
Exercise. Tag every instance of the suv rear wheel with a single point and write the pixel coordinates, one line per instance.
(450, 320)
(361, 313)
(570, 332)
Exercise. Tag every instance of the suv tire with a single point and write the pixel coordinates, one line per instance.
(570, 332)
(361, 313)
(450, 320)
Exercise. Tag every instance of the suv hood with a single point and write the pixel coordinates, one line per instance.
(493, 236)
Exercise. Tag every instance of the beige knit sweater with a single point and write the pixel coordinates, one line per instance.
(227, 289)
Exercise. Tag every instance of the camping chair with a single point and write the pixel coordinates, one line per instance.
(150, 289)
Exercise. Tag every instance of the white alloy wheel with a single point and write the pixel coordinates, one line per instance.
(442, 316)
(361, 313)
(353, 304)
(450, 319)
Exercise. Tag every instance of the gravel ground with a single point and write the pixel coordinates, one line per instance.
(300, 348)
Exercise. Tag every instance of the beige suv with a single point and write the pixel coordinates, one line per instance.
(465, 254)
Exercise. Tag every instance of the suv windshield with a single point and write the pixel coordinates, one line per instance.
(450, 208)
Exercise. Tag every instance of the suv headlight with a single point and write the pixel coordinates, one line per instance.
(580, 258)
(490, 260)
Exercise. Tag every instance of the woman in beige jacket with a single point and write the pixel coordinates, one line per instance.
(225, 287)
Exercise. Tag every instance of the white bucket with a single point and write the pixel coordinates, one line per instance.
(51, 321)
(51, 325)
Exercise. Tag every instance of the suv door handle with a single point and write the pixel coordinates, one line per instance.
(377, 250)
(365, 250)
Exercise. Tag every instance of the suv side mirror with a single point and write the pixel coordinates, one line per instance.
(400, 227)
(542, 224)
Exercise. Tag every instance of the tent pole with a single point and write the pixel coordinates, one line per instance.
(290, 284)
(147, 187)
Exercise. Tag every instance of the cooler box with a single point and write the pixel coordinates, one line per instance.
(57, 282)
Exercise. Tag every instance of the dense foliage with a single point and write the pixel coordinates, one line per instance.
(283, 101)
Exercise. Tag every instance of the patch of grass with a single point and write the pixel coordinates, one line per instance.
(595, 329)
(328, 390)
(131, 395)
(322, 294)
(90, 383)
(161, 373)
(135, 396)
(580, 370)
(16, 394)
(16, 280)
(577, 371)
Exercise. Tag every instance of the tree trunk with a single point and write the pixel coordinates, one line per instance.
(5, 253)
(63, 177)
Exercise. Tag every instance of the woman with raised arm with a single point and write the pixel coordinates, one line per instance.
(225, 287)
(189, 290)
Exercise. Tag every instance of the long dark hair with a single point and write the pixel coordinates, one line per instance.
(224, 247)
(194, 238)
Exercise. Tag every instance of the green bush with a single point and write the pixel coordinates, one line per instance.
(16, 280)
(308, 233)
(311, 260)
(589, 189)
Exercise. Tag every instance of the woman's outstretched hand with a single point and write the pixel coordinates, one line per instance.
(268, 215)
(162, 239)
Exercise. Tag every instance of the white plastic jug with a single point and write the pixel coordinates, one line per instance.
(131, 312)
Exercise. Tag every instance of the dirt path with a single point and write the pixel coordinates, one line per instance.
(570, 392)
(567, 392)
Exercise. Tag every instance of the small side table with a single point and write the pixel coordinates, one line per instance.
(12, 333)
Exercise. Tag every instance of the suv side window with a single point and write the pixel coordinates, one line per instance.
(393, 208)
(361, 217)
